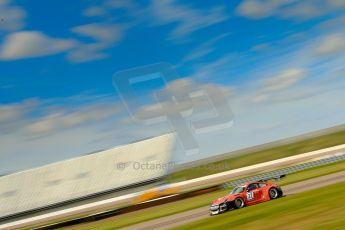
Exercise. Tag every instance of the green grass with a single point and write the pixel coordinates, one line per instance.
(196, 202)
(316, 209)
(251, 158)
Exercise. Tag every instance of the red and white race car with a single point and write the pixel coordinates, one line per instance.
(247, 194)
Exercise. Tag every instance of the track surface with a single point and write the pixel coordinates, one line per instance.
(201, 213)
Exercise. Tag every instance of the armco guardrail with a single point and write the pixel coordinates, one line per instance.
(289, 170)
(207, 181)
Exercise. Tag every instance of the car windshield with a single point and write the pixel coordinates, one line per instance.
(237, 190)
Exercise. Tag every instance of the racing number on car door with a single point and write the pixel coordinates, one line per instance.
(250, 196)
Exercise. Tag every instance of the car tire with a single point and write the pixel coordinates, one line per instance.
(238, 203)
(273, 193)
(280, 192)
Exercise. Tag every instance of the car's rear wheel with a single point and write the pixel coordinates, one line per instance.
(238, 203)
(274, 193)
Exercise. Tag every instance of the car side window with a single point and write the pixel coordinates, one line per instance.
(262, 185)
(252, 187)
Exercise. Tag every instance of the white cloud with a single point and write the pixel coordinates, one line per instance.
(87, 52)
(257, 9)
(27, 44)
(12, 112)
(62, 119)
(287, 9)
(333, 23)
(12, 17)
(285, 79)
(303, 11)
(94, 11)
(106, 33)
(281, 82)
(336, 3)
(188, 20)
(105, 36)
(198, 53)
(120, 4)
(261, 47)
(215, 69)
(204, 49)
(331, 44)
(35, 117)
(106, 9)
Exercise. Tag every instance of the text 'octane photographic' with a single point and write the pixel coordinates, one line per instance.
(135, 165)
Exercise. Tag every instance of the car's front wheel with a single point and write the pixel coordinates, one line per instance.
(274, 193)
(238, 203)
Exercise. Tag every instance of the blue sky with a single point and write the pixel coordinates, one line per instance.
(278, 62)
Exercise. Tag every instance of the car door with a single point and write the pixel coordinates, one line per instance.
(253, 194)
(258, 193)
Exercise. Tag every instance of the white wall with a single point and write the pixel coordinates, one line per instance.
(85, 175)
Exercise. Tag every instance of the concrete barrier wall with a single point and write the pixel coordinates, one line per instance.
(83, 176)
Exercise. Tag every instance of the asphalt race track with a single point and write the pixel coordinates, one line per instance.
(201, 213)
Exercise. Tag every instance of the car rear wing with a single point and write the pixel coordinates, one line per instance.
(272, 178)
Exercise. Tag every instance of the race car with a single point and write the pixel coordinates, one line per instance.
(247, 194)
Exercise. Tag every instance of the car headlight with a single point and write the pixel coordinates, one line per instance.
(214, 207)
